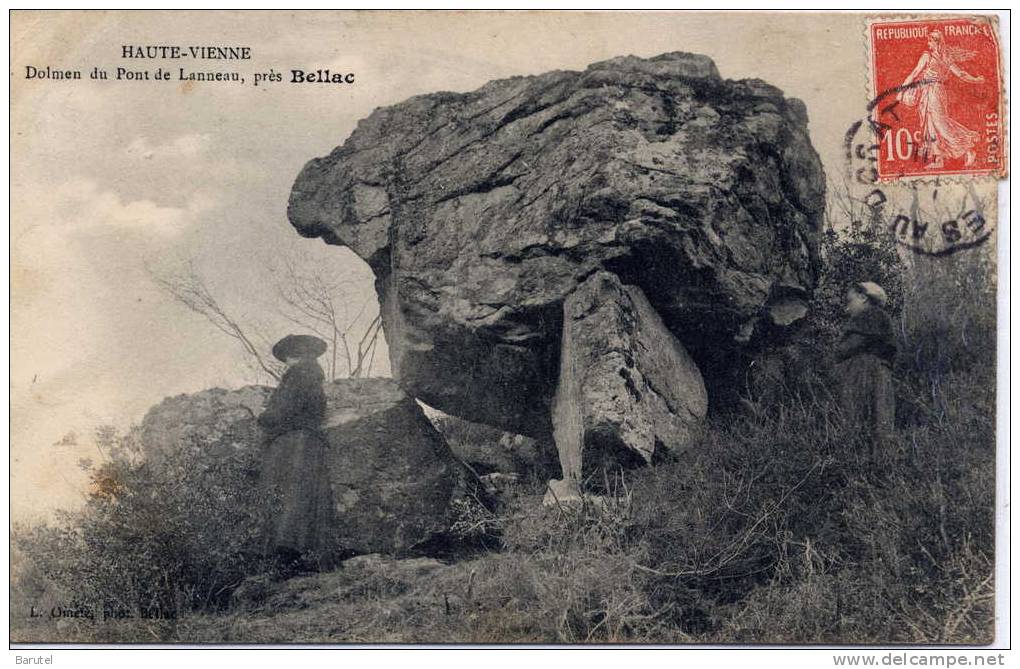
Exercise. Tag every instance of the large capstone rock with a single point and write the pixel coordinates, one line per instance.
(397, 487)
(481, 213)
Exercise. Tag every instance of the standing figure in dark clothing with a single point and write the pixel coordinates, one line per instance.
(865, 354)
(293, 468)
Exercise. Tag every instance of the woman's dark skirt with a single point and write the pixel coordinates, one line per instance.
(294, 481)
(868, 399)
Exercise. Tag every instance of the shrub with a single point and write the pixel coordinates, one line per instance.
(861, 249)
(151, 541)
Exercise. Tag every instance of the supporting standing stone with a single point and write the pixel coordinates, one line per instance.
(628, 392)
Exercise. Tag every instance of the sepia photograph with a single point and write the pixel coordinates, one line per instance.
(504, 328)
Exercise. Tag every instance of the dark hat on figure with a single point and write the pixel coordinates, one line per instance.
(298, 346)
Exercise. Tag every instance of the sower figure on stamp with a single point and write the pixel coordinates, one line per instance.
(865, 354)
(293, 467)
(943, 136)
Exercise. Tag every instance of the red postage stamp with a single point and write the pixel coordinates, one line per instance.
(937, 107)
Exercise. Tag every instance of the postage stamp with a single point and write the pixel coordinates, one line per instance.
(937, 98)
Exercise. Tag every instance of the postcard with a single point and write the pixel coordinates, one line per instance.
(506, 327)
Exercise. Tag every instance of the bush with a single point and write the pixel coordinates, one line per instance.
(152, 541)
(863, 249)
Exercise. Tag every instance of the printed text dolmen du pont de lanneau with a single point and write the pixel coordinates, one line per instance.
(210, 52)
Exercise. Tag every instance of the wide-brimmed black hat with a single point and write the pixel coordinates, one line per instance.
(298, 346)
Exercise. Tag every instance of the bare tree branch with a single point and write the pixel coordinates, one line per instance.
(189, 288)
(320, 305)
(366, 347)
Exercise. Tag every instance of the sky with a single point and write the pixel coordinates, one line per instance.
(111, 181)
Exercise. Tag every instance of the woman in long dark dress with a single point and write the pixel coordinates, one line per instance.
(865, 353)
(293, 469)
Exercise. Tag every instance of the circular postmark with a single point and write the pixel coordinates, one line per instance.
(933, 217)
